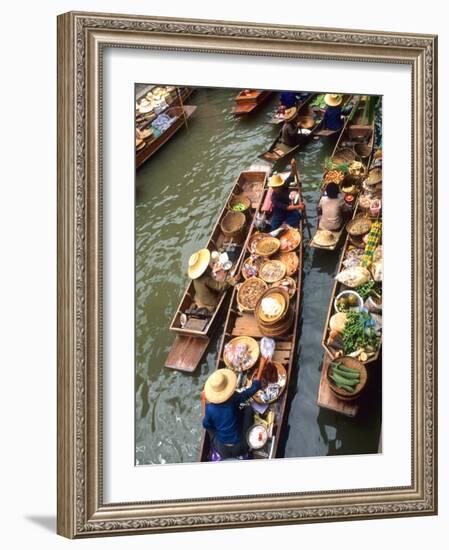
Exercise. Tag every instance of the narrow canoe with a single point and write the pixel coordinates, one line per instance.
(246, 103)
(279, 153)
(195, 334)
(244, 324)
(181, 115)
(337, 288)
(352, 134)
(276, 120)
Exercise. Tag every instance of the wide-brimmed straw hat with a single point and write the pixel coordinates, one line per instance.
(333, 100)
(324, 238)
(290, 114)
(276, 181)
(220, 385)
(145, 106)
(198, 263)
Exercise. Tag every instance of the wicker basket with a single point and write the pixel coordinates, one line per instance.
(253, 347)
(343, 156)
(259, 288)
(267, 246)
(239, 199)
(342, 393)
(233, 225)
(278, 293)
(362, 150)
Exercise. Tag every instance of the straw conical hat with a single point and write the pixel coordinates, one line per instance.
(275, 181)
(220, 385)
(324, 238)
(198, 263)
(290, 113)
(333, 99)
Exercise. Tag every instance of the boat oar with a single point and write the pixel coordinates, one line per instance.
(295, 169)
(182, 106)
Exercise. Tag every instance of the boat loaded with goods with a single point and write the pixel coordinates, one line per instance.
(348, 166)
(352, 334)
(194, 325)
(160, 113)
(261, 326)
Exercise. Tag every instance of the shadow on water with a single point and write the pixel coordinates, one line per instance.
(179, 193)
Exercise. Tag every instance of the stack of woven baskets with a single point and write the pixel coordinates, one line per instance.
(279, 321)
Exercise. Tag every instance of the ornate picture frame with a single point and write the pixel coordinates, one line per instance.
(81, 40)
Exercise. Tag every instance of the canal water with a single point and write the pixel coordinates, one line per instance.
(179, 193)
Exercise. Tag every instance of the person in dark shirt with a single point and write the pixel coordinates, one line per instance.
(283, 210)
(288, 99)
(226, 424)
(332, 119)
(289, 133)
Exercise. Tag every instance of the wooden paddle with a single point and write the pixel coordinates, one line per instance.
(182, 106)
(295, 170)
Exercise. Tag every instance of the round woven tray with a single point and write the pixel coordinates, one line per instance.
(272, 278)
(253, 350)
(267, 246)
(259, 287)
(278, 294)
(291, 262)
(282, 381)
(351, 226)
(374, 176)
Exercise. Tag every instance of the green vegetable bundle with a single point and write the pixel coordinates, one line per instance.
(344, 377)
(359, 332)
(371, 288)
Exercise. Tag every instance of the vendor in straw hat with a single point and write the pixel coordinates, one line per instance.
(283, 210)
(289, 133)
(207, 289)
(332, 210)
(224, 420)
(333, 119)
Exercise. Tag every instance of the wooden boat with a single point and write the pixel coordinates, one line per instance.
(277, 120)
(337, 288)
(193, 337)
(248, 101)
(352, 134)
(279, 153)
(244, 324)
(181, 115)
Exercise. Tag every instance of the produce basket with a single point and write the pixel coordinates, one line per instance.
(253, 351)
(359, 368)
(239, 203)
(267, 246)
(249, 293)
(344, 155)
(233, 225)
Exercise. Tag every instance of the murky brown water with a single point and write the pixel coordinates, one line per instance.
(179, 193)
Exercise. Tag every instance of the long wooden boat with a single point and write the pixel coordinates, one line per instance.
(193, 337)
(352, 133)
(248, 101)
(279, 153)
(276, 120)
(244, 324)
(181, 116)
(337, 288)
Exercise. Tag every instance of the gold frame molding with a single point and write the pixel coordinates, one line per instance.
(81, 39)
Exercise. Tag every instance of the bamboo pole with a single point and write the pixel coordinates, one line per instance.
(182, 106)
